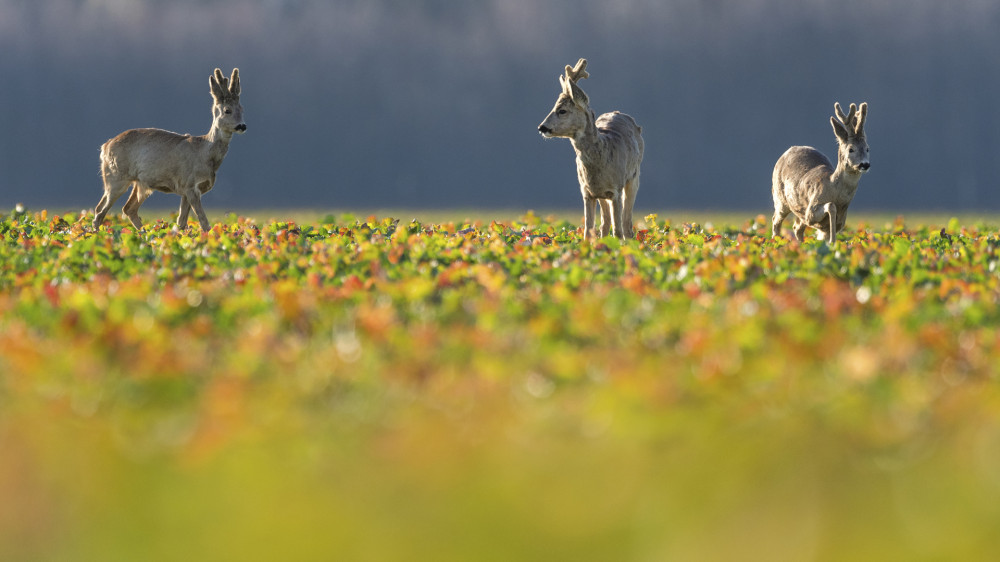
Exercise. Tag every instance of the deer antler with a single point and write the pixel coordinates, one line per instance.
(568, 82)
(859, 127)
(848, 120)
(578, 72)
(225, 88)
(234, 83)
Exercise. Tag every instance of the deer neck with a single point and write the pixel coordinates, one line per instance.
(587, 142)
(219, 144)
(844, 176)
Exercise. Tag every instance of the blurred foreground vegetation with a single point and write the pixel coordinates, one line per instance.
(367, 388)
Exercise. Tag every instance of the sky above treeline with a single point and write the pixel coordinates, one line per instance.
(435, 103)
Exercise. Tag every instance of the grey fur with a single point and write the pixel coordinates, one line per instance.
(806, 184)
(609, 152)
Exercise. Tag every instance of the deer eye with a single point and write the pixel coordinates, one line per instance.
(561, 112)
(229, 110)
(851, 150)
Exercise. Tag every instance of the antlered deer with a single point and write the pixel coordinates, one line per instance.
(805, 183)
(154, 159)
(608, 154)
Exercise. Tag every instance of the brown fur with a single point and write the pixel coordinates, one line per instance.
(157, 160)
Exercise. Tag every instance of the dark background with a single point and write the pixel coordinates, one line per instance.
(435, 103)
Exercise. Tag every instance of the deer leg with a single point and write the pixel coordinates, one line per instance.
(617, 209)
(129, 203)
(182, 213)
(103, 203)
(589, 209)
(113, 189)
(799, 229)
(135, 200)
(780, 212)
(631, 190)
(194, 199)
(605, 217)
(830, 211)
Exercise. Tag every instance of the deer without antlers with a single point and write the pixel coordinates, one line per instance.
(154, 159)
(608, 154)
(805, 183)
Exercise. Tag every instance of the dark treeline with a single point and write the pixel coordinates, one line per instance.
(434, 103)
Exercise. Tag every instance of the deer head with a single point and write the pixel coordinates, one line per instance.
(850, 131)
(227, 111)
(571, 113)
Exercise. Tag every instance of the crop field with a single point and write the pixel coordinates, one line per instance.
(375, 388)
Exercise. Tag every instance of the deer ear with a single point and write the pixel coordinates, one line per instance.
(839, 130)
(579, 97)
(234, 83)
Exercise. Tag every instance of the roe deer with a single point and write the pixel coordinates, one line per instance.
(805, 183)
(154, 159)
(608, 154)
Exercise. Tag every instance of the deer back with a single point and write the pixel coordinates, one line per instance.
(621, 139)
(159, 159)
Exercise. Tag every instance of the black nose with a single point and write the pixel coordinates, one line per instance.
(544, 129)
(865, 165)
